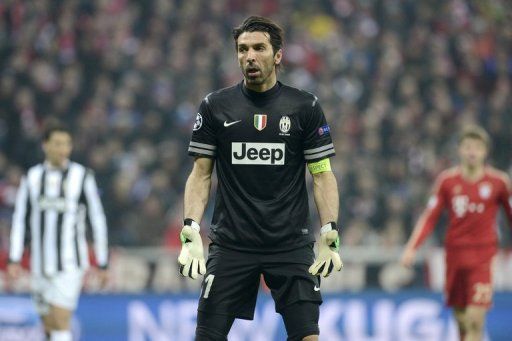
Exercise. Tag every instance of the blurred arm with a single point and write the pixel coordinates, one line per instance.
(197, 189)
(97, 219)
(425, 225)
(19, 222)
(506, 199)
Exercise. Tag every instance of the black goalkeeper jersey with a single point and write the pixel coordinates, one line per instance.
(261, 142)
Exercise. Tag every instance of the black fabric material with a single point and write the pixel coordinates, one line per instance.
(237, 276)
(301, 320)
(213, 327)
(261, 143)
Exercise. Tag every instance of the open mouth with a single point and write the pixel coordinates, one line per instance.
(253, 71)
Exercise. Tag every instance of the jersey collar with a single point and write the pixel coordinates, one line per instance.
(49, 166)
(259, 96)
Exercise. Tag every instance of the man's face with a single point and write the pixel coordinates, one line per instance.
(58, 148)
(256, 58)
(472, 152)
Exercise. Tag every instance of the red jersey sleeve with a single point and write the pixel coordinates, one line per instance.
(428, 219)
(506, 199)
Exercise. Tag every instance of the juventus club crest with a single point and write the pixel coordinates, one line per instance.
(284, 125)
(260, 121)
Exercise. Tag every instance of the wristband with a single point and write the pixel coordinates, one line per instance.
(328, 227)
(191, 222)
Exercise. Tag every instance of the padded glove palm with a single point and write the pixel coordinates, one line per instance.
(328, 255)
(191, 258)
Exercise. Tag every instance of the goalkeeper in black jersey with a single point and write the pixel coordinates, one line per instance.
(261, 135)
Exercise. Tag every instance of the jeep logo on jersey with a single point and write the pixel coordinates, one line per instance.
(249, 153)
(260, 122)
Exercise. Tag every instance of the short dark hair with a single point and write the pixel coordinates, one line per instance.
(261, 24)
(54, 127)
(475, 132)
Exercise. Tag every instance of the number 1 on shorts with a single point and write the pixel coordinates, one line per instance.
(209, 281)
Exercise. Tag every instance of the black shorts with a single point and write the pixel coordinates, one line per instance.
(230, 285)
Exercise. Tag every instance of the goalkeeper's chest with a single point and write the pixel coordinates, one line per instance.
(260, 138)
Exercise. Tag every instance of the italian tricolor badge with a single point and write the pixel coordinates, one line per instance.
(260, 122)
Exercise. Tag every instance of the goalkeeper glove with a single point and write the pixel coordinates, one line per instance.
(191, 258)
(328, 252)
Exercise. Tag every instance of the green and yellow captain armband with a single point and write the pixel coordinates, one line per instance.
(321, 166)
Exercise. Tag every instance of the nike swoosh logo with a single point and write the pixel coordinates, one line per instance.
(226, 124)
(316, 288)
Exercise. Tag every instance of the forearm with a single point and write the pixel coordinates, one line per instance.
(423, 229)
(100, 235)
(325, 190)
(419, 234)
(19, 220)
(507, 202)
(16, 245)
(197, 192)
(97, 219)
(16, 242)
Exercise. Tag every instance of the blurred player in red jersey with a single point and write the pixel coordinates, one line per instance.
(472, 192)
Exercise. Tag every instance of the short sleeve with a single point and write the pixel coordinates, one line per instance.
(317, 136)
(203, 142)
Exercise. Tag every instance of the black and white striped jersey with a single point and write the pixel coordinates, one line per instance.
(53, 207)
(261, 143)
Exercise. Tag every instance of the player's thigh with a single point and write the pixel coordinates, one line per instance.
(287, 276)
(310, 338)
(456, 289)
(459, 314)
(47, 322)
(480, 285)
(475, 316)
(230, 285)
(39, 289)
(60, 317)
(213, 327)
(64, 290)
(301, 320)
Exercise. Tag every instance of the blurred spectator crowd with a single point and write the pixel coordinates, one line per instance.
(396, 78)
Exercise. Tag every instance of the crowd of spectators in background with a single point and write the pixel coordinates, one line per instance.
(396, 78)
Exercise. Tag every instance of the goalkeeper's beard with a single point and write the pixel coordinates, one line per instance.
(260, 78)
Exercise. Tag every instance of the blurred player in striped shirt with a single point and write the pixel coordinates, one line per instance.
(55, 201)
